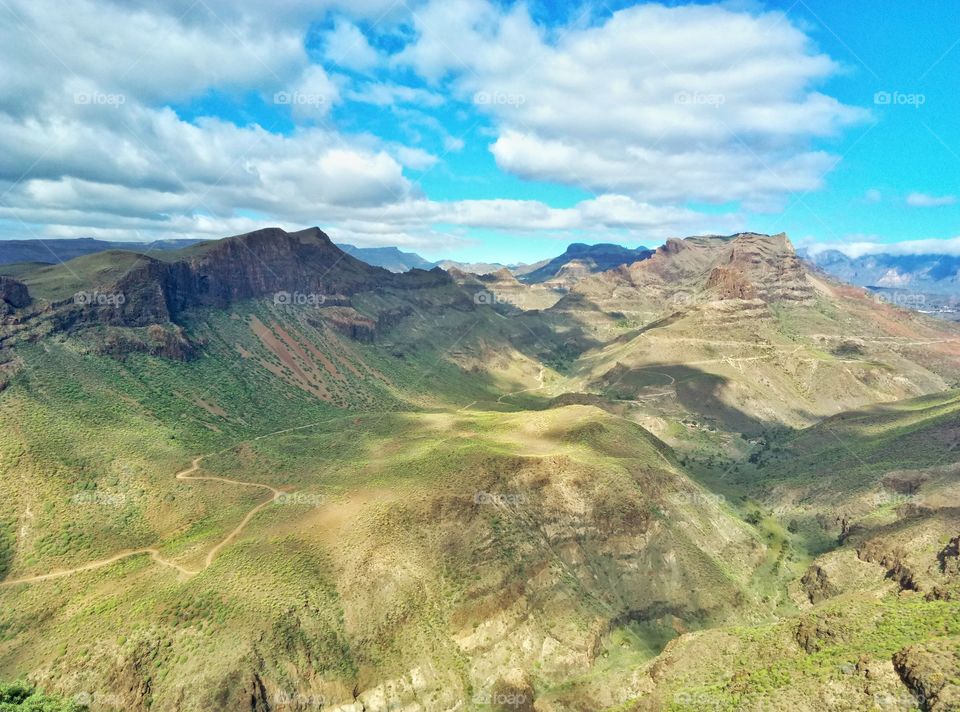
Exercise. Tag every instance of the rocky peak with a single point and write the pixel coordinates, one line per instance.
(580, 260)
(745, 266)
(262, 263)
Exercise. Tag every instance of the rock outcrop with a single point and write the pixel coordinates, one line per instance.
(13, 294)
(931, 672)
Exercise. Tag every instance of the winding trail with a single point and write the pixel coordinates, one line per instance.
(153, 552)
(186, 475)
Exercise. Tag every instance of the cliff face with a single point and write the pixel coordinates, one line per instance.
(746, 266)
(303, 265)
(768, 267)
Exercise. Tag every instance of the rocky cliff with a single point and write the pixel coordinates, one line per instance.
(289, 267)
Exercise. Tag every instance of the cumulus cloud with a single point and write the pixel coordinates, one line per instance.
(669, 104)
(348, 47)
(922, 200)
(92, 146)
(649, 110)
(53, 52)
(312, 95)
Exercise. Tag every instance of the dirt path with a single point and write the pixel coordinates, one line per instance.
(154, 553)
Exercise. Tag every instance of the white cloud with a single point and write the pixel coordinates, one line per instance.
(415, 158)
(384, 94)
(91, 147)
(669, 104)
(618, 107)
(922, 200)
(868, 246)
(277, 13)
(452, 144)
(347, 46)
(311, 96)
(52, 51)
(873, 196)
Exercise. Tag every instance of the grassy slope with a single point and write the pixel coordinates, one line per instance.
(839, 653)
(550, 525)
(444, 520)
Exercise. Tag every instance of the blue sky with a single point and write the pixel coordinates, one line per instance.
(482, 130)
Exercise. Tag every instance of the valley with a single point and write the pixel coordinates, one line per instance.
(273, 477)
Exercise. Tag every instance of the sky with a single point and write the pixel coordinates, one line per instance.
(483, 130)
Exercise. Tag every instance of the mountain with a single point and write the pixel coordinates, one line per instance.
(927, 283)
(702, 310)
(482, 268)
(152, 289)
(580, 260)
(54, 251)
(471, 267)
(390, 258)
(502, 289)
(934, 274)
(259, 474)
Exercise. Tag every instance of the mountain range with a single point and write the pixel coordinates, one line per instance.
(390, 258)
(259, 473)
(54, 251)
(935, 274)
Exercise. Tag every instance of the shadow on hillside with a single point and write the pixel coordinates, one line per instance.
(698, 392)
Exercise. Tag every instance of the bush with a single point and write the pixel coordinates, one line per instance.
(21, 697)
